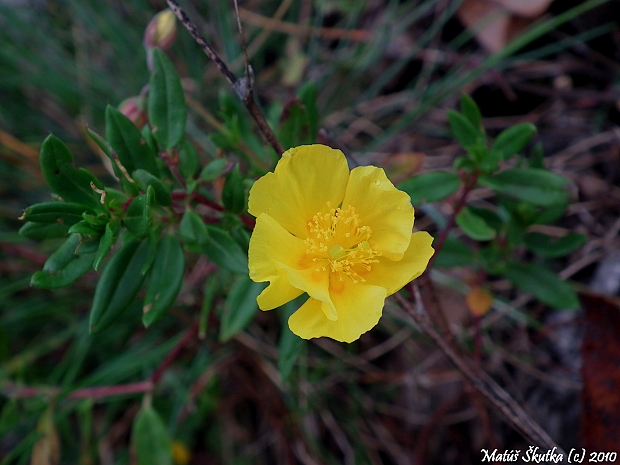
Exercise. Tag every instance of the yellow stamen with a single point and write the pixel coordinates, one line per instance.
(338, 238)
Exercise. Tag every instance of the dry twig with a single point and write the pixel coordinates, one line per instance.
(499, 398)
(242, 87)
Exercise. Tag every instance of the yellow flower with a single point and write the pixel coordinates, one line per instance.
(343, 237)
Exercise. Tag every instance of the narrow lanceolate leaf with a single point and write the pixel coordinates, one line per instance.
(55, 212)
(150, 438)
(513, 139)
(308, 95)
(214, 169)
(118, 286)
(188, 160)
(165, 279)
(233, 193)
(430, 187)
(194, 233)
(550, 247)
(294, 127)
(63, 255)
(85, 229)
(466, 133)
(533, 185)
(144, 179)
(166, 105)
(71, 183)
(240, 307)
(38, 231)
(474, 225)
(64, 266)
(107, 241)
(542, 283)
(138, 216)
(224, 250)
(107, 149)
(470, 110)
(128, 143)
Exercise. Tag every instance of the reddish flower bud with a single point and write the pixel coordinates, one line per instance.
(133, 108)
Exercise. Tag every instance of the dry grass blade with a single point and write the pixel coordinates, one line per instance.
(499, 398)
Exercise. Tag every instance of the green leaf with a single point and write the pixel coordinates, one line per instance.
(151, 143)
(84, 228)
(107, 241)
(166, 105)
(537, 157)
(209, 292)
(290, 345)
(474, 225)
(214, 169)
(543, 284)
(63, 255)
(128, 143)
(471, 111)
(64, 266)
(165, 279)
(71, 183)
(151, 251)
(308, 95)
(193, 232)
(294, 128)
(549, 247)
(137, 219)
(103, 144)
(240, 306)
(535, 186)
(118, 285)
(454, 253)
(150, 438)
(490, 217)
(38, 231)
(513, 139)
(55, 212)
(430, 187)
(233, 193)
(223, 250)
(188, 160)
(550, 215)
(144, 180)
(466, 133)
(515, 232)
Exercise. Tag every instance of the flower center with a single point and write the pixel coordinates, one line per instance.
(339, 241)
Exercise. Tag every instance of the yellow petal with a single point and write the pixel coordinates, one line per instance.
(393, 275)
(359, 308)
(270, 244)
(383, 208)
(305, 179)
(316, 284)
(277, 293)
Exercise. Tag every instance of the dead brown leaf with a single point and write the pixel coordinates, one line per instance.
(497, 22)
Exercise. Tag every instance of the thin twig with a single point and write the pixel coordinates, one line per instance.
(99, 392)
(246, 59)
(242, 87)
(12, 390)
(500, 399)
